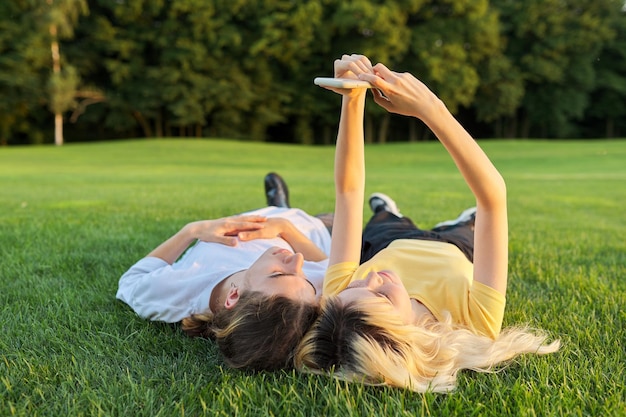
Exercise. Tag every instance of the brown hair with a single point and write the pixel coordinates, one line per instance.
(260, 333)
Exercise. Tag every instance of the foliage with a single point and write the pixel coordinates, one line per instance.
(23, 59)
(608, 100)
(74, 218)
(243, 69)
(554, 44)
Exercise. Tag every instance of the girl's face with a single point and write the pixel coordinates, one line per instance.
(385, 284)
(279, 272)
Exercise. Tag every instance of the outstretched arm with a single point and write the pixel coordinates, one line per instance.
(406, 95)
(349, 164)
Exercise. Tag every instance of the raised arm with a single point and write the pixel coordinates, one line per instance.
(349, 165)
(406, 95)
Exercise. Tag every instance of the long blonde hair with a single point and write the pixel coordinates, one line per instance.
(365, 341)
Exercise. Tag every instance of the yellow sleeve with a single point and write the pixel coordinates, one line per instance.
(338, 277)
(486, 309)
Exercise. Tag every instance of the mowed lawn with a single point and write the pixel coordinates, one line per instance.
(74, 218)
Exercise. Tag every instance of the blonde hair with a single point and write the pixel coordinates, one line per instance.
(259, 333)
(366, 341)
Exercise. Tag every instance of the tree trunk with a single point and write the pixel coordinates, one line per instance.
(412, 131)
(327, 136)
(158, 124)
(610, 127)
(383, 129)
(369, 129)
(58, 129)
(145, 126)
(56, 69)
(303, 132)
(525, 129)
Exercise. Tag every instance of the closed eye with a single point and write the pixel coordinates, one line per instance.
(380, 294)
(280, 274)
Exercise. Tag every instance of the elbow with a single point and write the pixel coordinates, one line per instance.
(494, 193)
(500, 187)
(499, 198)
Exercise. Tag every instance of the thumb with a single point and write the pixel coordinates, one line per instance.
(382, 100)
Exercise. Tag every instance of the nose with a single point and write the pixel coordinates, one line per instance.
(373, 280)
(295, 261)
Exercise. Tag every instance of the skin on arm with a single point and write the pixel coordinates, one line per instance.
(349, 164)
(406, 95)
(283, 228)
(222, 231)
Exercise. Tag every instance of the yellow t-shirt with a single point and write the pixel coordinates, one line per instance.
(438, 275)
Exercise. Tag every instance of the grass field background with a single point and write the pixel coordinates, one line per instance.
(74, 218)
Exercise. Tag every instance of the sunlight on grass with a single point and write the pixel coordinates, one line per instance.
(74, 218)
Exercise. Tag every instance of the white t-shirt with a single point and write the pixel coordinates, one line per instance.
(156, 290)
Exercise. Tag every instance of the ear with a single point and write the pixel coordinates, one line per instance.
(232, 298)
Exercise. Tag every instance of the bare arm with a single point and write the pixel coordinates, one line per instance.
(219, 231)
(404, 94)
(349, 165)
(283, 228)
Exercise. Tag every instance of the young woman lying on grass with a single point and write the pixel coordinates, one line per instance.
(423, 305)
(251, 282)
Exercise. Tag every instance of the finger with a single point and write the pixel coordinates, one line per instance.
(250, 218)
(225, 240)
(235, 229)
(376, 81)
(383, 101)
(350, 65)
(249, 225)
(343, 69)
(382, 71)
(245, 236)
(362, 62)
(378, 95)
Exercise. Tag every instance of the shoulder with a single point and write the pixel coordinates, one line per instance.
(338, 277)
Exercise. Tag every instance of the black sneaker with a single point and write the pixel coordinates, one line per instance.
(276, 191)
(379, 202)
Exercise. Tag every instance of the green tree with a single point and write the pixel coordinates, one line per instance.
(449, 41)
(377, 29)
(553, 43)
(198, 68)
(23, 61)
(60, 17)
(608, 99)
(282, 37)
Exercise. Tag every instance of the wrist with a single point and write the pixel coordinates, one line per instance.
(354, 98)
(190, 231)
(286, 229)
(435, 113)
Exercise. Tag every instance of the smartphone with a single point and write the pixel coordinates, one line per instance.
(341, 83)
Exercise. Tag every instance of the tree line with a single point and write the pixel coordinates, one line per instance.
(80, 70)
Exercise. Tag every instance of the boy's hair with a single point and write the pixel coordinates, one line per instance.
(365, 341)
(259, 333)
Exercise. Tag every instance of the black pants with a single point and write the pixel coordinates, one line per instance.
(385, 227)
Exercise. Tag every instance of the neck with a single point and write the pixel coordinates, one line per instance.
(220, 292)
(420, 312)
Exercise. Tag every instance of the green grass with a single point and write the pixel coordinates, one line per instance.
(74, 218)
